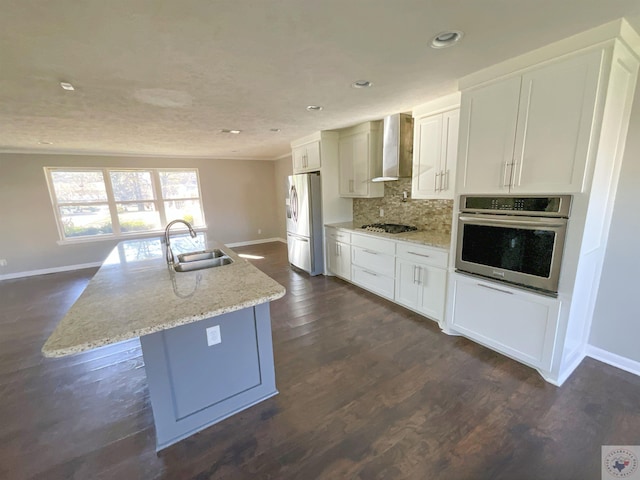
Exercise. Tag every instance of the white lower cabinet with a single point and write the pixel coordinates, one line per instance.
(338, 252)
(373, 264)
(421, 279)
(519, 324)
(410, 274)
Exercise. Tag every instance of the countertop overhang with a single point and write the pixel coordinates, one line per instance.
(135, 293)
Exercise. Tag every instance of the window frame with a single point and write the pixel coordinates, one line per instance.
(117, 234)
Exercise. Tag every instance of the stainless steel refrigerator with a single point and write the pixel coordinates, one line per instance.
(304, 222)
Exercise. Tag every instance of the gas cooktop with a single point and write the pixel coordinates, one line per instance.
(388, 228)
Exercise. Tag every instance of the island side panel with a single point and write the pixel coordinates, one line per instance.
(193, 385)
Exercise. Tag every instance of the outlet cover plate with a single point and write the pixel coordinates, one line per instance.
(213, 335)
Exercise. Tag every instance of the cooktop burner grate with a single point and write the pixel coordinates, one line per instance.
(388, 228)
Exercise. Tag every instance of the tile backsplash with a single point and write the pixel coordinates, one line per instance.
(431, 215)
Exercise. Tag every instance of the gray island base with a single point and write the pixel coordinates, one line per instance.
(193, 385)
(205, 334)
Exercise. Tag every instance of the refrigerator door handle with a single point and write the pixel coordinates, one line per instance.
(300, 239)
(294, 203)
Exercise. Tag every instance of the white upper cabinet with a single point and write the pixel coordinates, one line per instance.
(435, 152)
(554, 125)
(360, 157)
(530, 133)
(306, 157)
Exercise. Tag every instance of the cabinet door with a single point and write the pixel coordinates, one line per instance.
(298, 154)
(343, 260)
(313, 157)
(555, 124)
(345, 154)
(513, 322)
(434, 283)
(426, 157)
(487, 133)
(361, 157)
(332, 255)
(449, 156)
(408, 286)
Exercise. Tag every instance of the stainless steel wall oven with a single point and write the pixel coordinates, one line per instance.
(513, 239)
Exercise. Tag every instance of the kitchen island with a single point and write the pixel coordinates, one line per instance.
(205, 334)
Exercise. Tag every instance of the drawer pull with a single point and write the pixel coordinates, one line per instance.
(370, 273)
(419, 254)
(494, 288)
(370, 251)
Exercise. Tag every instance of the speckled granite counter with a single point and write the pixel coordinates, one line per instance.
(432, 239)
(134, 293)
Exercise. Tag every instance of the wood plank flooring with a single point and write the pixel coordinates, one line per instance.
(368, 390)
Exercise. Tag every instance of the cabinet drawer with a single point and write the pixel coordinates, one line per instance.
(422, 254)
(382, 285)
(339, 235)
(373, 261)
(380, 245)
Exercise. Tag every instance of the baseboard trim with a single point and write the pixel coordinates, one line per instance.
(618, 361)
(256, 242)
(45, 271)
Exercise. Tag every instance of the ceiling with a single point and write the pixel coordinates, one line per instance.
(162, 77)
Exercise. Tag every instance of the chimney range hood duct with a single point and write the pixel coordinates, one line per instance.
(397, 147)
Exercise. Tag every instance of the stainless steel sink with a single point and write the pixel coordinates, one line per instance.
(188, 262)
(202, 255)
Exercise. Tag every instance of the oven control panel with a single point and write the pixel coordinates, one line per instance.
(558, 205)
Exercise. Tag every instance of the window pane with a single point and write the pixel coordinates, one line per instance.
(138, 217)
(79, 187)
(131, 185)
(179, 184)
(188, 210)
(86, 220)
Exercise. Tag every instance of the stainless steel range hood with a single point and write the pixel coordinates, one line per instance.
(397, 147)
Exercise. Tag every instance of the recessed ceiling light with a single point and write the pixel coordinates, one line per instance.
(274, 129)
(361, 84)
(314, 108)
(67, 86)
(226, 130)
(446, 38)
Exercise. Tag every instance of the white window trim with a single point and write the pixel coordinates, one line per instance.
(111, 202)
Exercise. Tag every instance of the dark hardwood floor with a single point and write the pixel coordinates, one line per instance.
(367, 390)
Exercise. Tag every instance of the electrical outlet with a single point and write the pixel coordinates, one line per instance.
(3, 262)
(213, 335)
(382, 212)
(259, 231)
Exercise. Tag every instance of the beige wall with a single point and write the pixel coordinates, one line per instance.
(239, 197)
(283, 168)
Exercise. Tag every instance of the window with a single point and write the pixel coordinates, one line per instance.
(108, 203)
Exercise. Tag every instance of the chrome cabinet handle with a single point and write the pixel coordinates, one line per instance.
(494, 288)
(419, 254)
(435, 186)
(446, 180)
(506, 181)
(370, 273)
(370, 251)
(418, 270)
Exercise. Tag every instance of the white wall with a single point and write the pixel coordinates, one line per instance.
(283, 168)
(239, 197)
(616, 320)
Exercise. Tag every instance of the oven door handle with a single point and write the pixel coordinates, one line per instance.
(517, 221)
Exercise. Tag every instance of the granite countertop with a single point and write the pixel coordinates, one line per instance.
(431, 239)
(135, 293)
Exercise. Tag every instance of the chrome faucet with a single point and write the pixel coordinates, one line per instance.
(171, 260)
